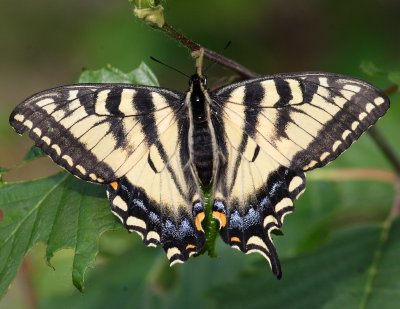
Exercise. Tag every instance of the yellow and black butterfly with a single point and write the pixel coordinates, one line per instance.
(251, 141)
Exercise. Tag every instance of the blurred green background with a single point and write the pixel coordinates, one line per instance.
(47, 43)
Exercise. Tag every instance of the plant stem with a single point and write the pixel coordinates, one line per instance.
(209, 54)
(386, 148)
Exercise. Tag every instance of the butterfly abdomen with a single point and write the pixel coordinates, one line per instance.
(202, 152)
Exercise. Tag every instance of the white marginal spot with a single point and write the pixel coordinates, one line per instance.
(369, 107)
(269, 219)
(151, 244)
(37, 131)
(379, 101)
(324, 156)
(336, 145)
(236, 247)
(355, 125)
(56, 148)
(19, 117)
(133, 221)
(323, 81)
(172, 251)
(93, 176)
(81, 169)
(310, 165)
(100, 180)
(44, 102)
(255, 240)
(353, 88)
(345, 134)
(121, 204)
(68, 159)
(175, 262)
(118, 216)
(362, 116)
(285, 202)
(46, 140)
(28, 124)
(153, 235)
(295, 183)
(192, 253)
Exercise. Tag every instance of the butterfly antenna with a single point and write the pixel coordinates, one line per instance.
(210, 65)
(168, 66)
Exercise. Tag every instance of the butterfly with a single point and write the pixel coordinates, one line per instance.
(251, 142)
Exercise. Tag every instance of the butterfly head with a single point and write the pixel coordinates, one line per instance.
(197, 81)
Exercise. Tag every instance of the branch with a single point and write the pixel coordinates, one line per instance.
(381, 141)
(209, 54)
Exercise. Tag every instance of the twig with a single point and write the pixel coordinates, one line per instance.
(209, 54)
(386, 148)
(381, 141)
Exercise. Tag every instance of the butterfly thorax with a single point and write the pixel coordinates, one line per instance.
(202, 144)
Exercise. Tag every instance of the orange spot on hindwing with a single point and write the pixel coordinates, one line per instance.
(198, 219)
(235, 239)
(114, 185)
(220, 217)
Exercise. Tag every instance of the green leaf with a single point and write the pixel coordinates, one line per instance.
(142, 75)
(357, 268)
(62, 212)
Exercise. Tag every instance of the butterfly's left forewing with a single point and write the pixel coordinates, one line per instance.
(275, 129)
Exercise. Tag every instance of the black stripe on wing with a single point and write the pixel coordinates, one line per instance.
(85, 127)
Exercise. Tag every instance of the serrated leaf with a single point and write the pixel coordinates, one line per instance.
(142, 75)
(62, 212)
(336, 276)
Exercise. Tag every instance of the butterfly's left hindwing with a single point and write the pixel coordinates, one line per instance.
(130, 138)
(159, 198)
(274, 129)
